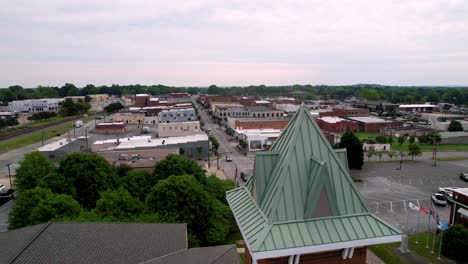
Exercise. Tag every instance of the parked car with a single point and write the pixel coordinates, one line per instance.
(228, 158)
(464, 177)
(439, 199)
(2, 188)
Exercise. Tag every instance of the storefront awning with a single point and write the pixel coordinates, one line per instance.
(463, 212)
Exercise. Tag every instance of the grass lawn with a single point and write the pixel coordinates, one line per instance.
(242, 257)
(404, 147)
(386, 253)
(232, 238)
(25, 140)
(421, 249)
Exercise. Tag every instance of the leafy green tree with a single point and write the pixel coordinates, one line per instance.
(414, 150)
(353, 149)
(431, 137)
(114, 107)
(370, 153)
(33, 167)
(39, 205)
(455, 126)
(455, 243)
(370, 94)
(218, 188)
(68, 90)
(220, 223)
(411, 140)
(118, 204)
(56, 183)
(433, 97)
(88, 175)
(87, 99)
(401, 140)
(214, 142)
(381, 139)
(184, 199)
(181, 151)
(178, 165)
(139, 183)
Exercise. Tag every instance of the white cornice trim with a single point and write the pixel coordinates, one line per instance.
(325, 247)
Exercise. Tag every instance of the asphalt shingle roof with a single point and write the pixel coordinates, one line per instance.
(205, 255)
(94, 242)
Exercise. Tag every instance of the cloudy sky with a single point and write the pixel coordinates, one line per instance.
(203, 42)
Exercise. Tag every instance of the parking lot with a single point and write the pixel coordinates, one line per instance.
(388, 190)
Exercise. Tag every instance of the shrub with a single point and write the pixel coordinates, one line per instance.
(455, 243)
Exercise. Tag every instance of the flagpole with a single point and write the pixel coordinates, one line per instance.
(440, 243)
(417, 228)
(433, 240)
(407, 212)
(428, 225)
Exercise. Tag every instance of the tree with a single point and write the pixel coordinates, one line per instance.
(199, 149)
(414, 150)
(183, 198)
(88, 174)
(370, 94)
(455, 243)
(401, 140)
(87, 99)
(214, 142)
(455, 126)
(353, 150)
(118, 204)
(114, 107)
(39, 205)
(218, 188)
(70, 108)
(429, 138)
(178, 165)
(181, 151)
(32, 169)
(411, 140)
(381, 139)
(139, 183)
(68, 90)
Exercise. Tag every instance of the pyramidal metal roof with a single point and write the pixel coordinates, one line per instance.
(301, 195)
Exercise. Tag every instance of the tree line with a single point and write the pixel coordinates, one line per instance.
(84, 187)
(395, 94)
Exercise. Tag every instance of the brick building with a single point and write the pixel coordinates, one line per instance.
(179, 129)
(459, 208)
(346, 112)
(336, 124)
(374, 124)
(301, 205)
(110, 128)
(255, 123)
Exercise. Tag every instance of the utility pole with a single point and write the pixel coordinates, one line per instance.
(86, 135)
(42, 136)
(9, 174)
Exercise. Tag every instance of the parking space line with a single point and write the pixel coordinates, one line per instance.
(391, 207)
(421, 181)
(404, 203)
(418, 203)
(377, 211)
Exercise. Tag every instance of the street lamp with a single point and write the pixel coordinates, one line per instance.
(9, 174)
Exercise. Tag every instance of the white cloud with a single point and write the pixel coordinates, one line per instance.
(234, 42)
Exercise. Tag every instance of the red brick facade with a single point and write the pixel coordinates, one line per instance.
(343, 126)
(260, 124)
(346, 112)
(463, 199)
(327, 257)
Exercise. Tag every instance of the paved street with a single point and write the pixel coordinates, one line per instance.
(388, 190)
(15, 156)
(227, 146)
(4, 209)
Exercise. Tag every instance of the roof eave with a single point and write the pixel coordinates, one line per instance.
(326, 247)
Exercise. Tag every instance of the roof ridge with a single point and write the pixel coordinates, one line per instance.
(320, 218)
(46, 225)
(169, 254)
(224, 253)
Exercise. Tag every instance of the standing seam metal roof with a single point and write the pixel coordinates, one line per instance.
(301, 174)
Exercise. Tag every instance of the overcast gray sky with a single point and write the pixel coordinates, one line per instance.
(198, 42)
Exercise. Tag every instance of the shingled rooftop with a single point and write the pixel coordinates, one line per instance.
(301, 202)
(108, 243)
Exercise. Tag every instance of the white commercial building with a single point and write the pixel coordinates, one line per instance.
(35, 105)
(258, 139)
(178, 129)
(420, 108)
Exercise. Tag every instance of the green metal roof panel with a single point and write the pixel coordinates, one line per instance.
(324, 231)
(301, 194)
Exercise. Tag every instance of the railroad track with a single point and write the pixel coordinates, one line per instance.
(21, 132)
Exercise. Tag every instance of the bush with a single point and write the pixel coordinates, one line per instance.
(455, 126)
(381, 139)
(455, 243)
(42, 115)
